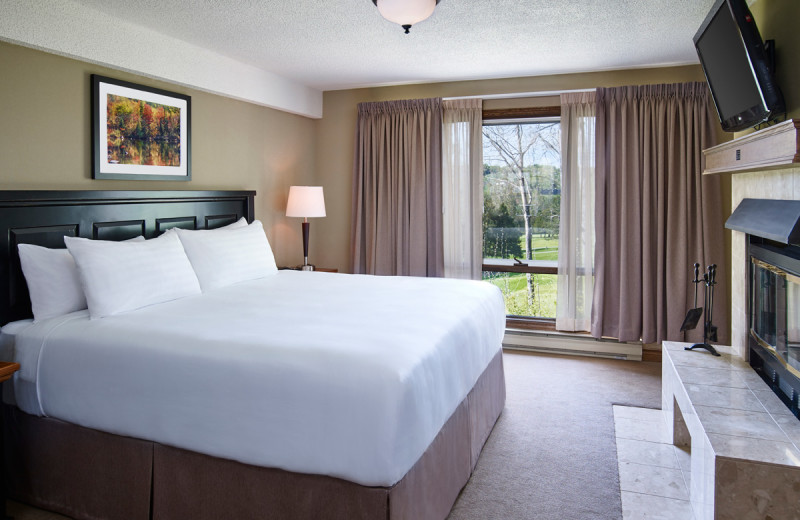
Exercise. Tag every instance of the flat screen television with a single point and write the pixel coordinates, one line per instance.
(737, 68)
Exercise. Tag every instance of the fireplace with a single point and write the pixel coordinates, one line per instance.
(773, 292)
(775, 317)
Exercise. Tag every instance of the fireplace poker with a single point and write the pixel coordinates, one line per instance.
(693, 316)
(712, 329)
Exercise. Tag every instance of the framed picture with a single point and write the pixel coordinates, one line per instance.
(139, 132)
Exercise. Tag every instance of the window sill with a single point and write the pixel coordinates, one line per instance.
(530, 323)
(523, 266)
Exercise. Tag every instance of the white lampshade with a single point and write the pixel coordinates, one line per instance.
(406, 12)
(305, 201)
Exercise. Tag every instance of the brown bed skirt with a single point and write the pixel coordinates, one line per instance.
(91, 475)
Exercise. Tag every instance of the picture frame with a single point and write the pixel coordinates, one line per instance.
(139, 132)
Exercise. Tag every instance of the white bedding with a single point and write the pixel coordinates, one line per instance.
(342, 375)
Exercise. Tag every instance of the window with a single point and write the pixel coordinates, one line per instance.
(521, 211)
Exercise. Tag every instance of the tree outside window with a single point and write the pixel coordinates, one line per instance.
(522, 196)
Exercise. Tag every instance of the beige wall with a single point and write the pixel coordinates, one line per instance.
(45, 140)
(45, 143)
(336, 133)
(777, 20)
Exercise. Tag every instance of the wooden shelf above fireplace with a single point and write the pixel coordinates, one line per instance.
(775, 147)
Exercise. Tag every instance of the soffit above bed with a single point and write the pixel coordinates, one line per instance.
(284, 52)
(72, 29)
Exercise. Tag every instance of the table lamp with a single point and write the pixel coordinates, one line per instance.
(306, 202)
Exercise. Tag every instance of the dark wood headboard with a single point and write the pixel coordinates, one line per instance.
(44, 218)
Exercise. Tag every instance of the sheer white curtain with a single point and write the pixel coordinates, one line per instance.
(576, 236)
(462, 187)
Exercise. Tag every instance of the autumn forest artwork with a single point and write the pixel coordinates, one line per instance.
(142, 133)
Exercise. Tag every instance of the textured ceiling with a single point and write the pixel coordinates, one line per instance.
(337, 44)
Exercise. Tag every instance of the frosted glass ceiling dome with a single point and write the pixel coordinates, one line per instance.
(406, 12)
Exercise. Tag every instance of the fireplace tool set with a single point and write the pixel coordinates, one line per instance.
(693, 316)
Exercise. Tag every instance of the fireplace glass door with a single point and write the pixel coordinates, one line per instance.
(775, 315)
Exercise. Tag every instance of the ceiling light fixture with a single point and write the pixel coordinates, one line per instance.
(405, 12)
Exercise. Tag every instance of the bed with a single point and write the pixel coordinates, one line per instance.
(297, 395)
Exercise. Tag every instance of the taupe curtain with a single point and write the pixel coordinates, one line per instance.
(397, 188)
(655, 213)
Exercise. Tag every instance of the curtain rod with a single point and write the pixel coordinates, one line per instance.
(521, 94)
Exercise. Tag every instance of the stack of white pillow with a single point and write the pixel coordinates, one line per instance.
(113, 277)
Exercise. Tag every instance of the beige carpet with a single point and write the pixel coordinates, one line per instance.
(552, 454)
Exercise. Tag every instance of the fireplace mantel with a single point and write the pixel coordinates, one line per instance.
(774, 147)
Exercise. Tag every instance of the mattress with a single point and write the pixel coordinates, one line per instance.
(348, 376)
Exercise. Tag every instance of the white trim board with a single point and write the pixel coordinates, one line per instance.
(522, 95)
(559, 343)
(71, 29)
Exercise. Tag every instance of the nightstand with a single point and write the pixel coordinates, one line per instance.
(6, 371)
(320, 269)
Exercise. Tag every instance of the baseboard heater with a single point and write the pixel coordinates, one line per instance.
(561, 343)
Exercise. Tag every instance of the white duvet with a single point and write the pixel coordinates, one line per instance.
(342, 375)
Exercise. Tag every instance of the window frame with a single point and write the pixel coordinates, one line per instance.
(526, 114)
(521, 113)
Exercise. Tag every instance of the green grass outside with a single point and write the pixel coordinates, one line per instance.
(514, 288)
(545, 254)
(514, 285)
(543, 248)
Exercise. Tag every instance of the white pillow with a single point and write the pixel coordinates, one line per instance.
(221, 259)
(53, 281)
(123, 276)
(242, 222)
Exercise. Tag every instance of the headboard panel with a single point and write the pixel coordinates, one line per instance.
(44, 218)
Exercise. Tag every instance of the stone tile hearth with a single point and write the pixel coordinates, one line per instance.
(652, 472)
(742, 441)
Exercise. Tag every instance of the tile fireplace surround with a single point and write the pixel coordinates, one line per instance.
(774, 184)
